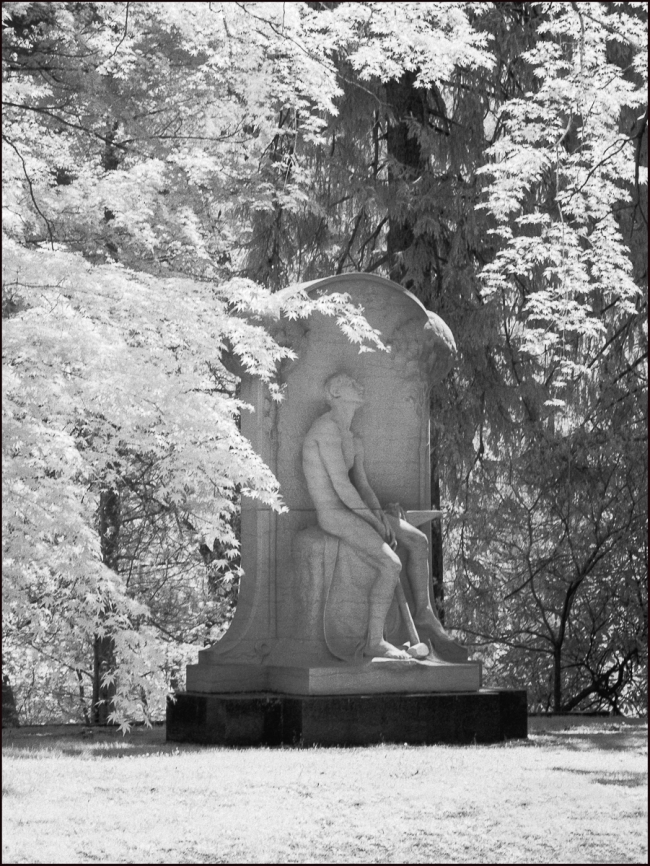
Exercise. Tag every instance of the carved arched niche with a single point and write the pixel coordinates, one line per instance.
(271, 625)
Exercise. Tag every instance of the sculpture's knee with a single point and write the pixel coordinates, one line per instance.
(391, 566)
(417, 543)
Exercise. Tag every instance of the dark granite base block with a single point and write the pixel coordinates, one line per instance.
(265, 719)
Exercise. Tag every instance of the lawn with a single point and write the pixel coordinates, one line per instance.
(574, 792)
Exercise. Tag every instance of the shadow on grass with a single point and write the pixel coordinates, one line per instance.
(580, 734)
(76, 740)
(572, 734)
(625, 779)
(617, 742)
(108, 742)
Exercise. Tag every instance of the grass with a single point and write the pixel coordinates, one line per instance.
(574, 792)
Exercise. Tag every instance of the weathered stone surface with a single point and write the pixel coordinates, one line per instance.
(486, 716)
(376, 676)
(315, 653)
(306, 598)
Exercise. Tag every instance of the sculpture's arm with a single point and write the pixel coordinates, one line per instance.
(360, 481)
(331, 453)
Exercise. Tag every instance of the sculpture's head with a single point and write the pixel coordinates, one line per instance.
(340, 386)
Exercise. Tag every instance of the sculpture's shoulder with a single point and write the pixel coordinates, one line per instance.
(323, 428)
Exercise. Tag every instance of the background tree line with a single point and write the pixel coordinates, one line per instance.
(168, 167)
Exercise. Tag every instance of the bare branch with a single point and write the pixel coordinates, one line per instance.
(31, 190)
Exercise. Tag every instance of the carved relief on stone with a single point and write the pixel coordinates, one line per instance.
(312, 590)
(269, 416)
(293, 334)
(365, 581)
(423, 353)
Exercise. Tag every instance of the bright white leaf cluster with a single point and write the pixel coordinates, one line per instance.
(563, 141)
(100, 363)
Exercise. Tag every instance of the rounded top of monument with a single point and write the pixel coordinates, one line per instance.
(439, 328)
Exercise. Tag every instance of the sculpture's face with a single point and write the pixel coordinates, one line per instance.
(349, 391)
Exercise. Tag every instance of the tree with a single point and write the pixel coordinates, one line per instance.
(195, 158)
(120, 420)
(500, 175)
(566, 511)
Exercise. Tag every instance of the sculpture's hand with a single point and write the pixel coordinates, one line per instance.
(388, 532)
(396, 510)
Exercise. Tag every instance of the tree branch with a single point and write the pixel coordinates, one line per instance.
(126, 27)
(103, 138)
(31, 190)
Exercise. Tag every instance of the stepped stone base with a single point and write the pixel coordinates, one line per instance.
(378, 676)
(267, 719)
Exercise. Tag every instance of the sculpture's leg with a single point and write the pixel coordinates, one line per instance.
(372, 550)
(416, 571)
(381, 597)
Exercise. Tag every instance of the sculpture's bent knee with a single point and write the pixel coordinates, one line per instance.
(391, 563)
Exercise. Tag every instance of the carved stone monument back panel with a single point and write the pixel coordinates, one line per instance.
(393, 424)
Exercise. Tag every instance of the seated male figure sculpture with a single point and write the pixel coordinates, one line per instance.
(347, 508)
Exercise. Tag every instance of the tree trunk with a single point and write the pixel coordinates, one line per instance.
(438, 587)
(103, 645)
(83, 705)
(557, 678)
(9, 711)
(407, 101)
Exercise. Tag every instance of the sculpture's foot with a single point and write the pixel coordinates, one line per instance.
(430, 628)
(418, 651)
(385, 650)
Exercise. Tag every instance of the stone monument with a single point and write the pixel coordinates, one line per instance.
(335, 639)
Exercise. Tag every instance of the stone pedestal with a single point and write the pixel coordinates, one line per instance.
(378, 676)
(485, 716)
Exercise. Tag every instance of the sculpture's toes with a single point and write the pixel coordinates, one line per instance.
(397, 654)
(387, 651)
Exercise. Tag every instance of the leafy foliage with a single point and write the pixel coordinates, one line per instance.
(113, 380)
(167, 167)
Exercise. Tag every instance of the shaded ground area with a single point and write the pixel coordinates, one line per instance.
(570, 732)
(588, 732)
(574, 792)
